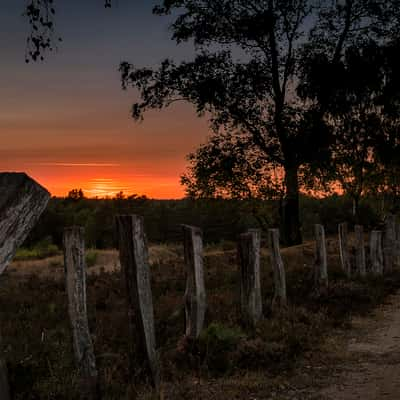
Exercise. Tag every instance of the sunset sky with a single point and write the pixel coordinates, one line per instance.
(66, 121)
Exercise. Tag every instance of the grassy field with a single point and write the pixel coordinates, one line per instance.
(226, 363)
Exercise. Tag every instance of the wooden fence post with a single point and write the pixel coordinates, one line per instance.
(75, 272)
(321, 264)
(397, 245)
(195, 293)
(389, 243)
(376, 254)
(250, 284)
(360, 250)
(134, 259)
(344, 249)
(4, 388)
(22, 201)
(280, 298)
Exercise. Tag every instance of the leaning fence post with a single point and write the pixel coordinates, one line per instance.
(75, 271)
(134, 259)
(22, 201)
(344, 249)
(195, 293)
(360, 250)
(250, 285)
(376, 254)
(389, 242)
(321, 264)
(280, 297)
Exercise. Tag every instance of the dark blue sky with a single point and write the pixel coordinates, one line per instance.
(68, 111)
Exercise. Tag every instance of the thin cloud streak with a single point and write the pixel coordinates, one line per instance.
(89, 165)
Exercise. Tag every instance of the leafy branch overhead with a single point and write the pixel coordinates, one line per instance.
(41, 38)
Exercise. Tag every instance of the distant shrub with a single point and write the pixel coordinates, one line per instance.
(91, 258)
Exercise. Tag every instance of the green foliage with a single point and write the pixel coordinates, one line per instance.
(216, 345)
(91, 257)
(42, 249)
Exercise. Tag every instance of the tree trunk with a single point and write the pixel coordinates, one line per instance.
(356, 209)
(291, 234)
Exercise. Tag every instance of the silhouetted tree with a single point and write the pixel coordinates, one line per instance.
(363, 112)
(254, 73)
(247, 75)
(75, 194)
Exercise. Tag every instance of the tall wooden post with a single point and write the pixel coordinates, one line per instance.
(321, 264)
(344, 249)
(389, 243)
(134, 259)
(398, 245)
(75, 271)
(360, 250)
(22, 201)
(4, 388)
(250, 284)
(195, 293)
(376, 254)
(280, 298)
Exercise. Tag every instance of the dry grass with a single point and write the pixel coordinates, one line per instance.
(239, 364)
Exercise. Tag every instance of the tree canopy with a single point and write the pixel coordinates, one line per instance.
(285, 84)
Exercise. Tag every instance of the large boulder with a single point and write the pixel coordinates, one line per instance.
(22, 201)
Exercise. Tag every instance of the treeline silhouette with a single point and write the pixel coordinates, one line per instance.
(220, 219)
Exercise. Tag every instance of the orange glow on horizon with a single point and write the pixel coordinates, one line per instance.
(103, 180)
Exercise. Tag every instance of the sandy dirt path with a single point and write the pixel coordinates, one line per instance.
(371, 368)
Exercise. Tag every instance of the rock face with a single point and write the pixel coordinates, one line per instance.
(22, 201)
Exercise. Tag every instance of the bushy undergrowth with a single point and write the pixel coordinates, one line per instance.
(41, 250)
(37, 338)
(91, 257)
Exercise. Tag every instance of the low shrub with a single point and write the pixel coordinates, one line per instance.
(91, 258)
(216, 347)
(41, 250)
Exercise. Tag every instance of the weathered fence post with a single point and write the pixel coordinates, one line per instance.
(280, 298)
(75, 272)
(135, 267)
(344, 249)
(321, 264)
(22, 201)
(360, 250)
(376, 254)
(250, 285)
(389, 243)
(4, 388)
(195, 293)
(398, 245)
